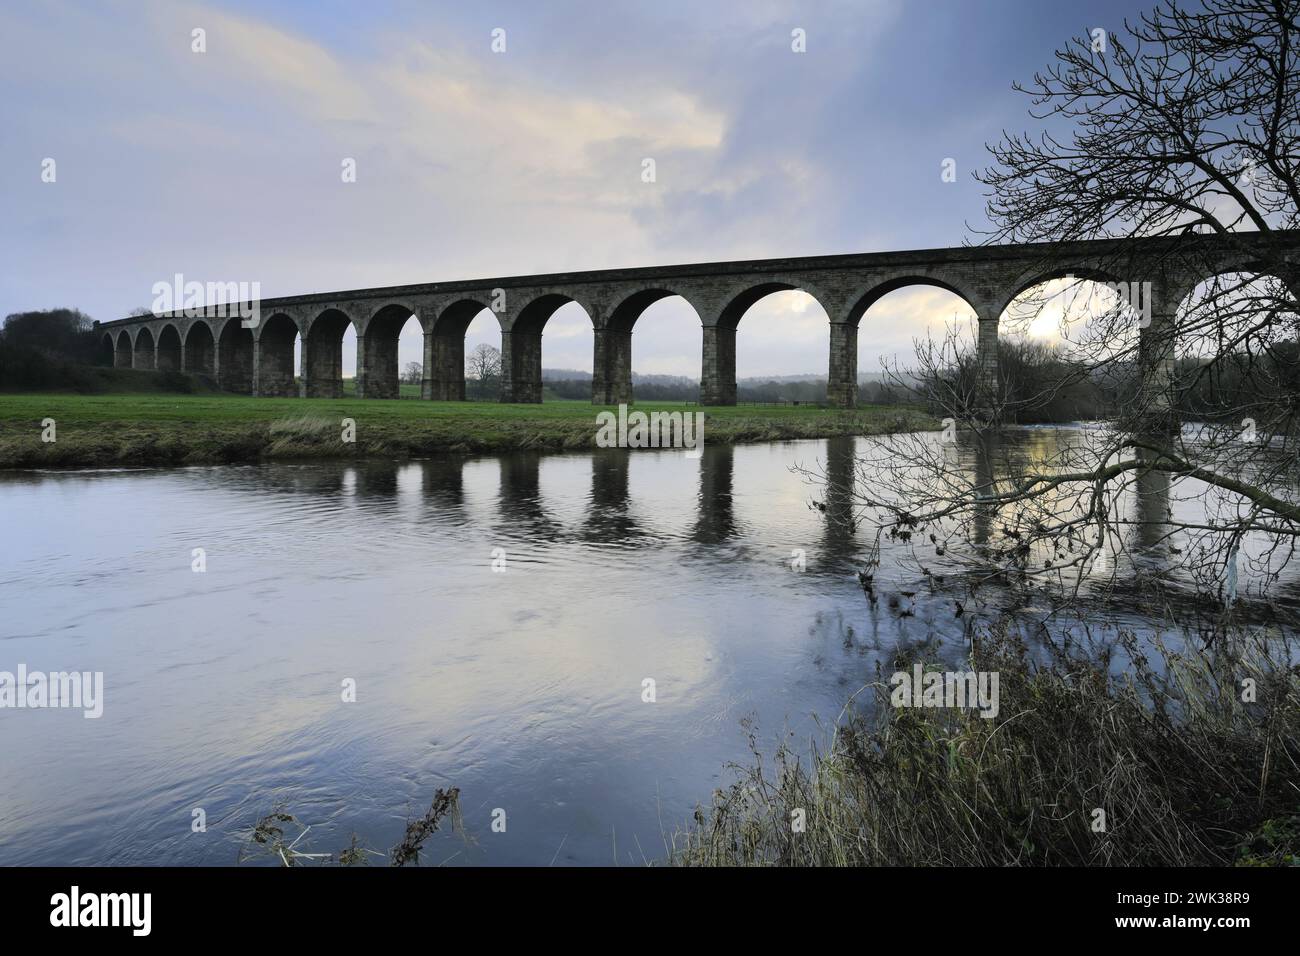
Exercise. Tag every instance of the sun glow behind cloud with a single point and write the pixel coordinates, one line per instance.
(225, 165)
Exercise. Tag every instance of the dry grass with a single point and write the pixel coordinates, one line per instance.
(1186, 772)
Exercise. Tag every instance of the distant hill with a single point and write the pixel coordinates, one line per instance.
(574, 375)
(569, 383)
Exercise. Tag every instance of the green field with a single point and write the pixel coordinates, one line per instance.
(176, 429)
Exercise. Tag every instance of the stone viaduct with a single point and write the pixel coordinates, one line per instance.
(258, 357)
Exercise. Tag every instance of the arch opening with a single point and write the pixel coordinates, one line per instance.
(104, 351)
(521, 352)
(200, 349)
(788, 333)
(448, 371)
(668, 353)
(1237, 349)
(379, 354)
(322, 371)
(122, 350)
(275, 357)
(912, 336)
(169, 348)
(482, 366)
(235, 357)
(1062, 349)
(144, 355)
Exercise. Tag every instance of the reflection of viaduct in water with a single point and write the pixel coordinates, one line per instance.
(609, 520)
(716, 523)
(1150, 506)
(1150, 491)
(259, 359)
(443, 484)
(839, 537)
(375, 479)
(987, 447)
(609, 517)
(519, 499)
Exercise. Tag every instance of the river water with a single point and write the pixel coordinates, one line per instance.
(497, 616)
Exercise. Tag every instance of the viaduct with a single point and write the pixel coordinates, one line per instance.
(258, 357)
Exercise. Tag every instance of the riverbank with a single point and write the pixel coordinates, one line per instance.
(1161, 764)
(114, 430)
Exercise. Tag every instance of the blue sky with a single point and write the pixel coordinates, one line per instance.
(225, 165)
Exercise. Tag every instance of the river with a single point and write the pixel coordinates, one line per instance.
(498, 618)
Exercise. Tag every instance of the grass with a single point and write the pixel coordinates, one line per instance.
(183, 429)
(1186, 773)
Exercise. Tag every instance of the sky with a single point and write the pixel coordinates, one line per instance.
(227, 164)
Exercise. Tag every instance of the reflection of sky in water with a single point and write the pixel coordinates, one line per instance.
(522, 688)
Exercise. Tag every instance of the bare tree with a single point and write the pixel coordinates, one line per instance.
(1189, 123)
(483, 371)
(412, 373)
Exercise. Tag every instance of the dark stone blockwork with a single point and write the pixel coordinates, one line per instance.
(259, 358)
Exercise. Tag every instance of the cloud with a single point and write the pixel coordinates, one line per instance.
(225, 165)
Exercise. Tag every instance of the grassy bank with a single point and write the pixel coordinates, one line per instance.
(157, 429)
(1186, 773)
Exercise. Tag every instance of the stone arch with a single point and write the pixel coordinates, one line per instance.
(1122, 274)
(235, 351)
(1225, 354)
(104, 353)
(169, 348)
(1038, 275)
(378, 375)
(273, 372)
(741, 300)
(322, 365)
(444, 348)
(881, 289)
(200, 349)
(1181, 296)
(612, 364)
(626, 311)
(842, 377)
(1217, 345)
(521, 345)
(1119, 333)
(718, 375)
(122, 350)
(145, 350)
(537, 311)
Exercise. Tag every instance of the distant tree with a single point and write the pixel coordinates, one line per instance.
(754, 390)
(37, 348)
(683, 391)
(64, 333)
(483, 372)
(413, 373)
